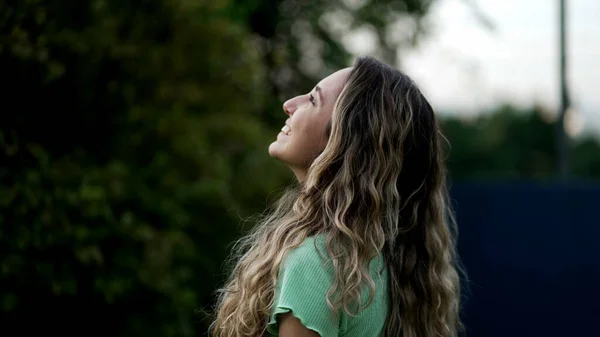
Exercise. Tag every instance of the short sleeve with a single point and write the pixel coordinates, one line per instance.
(302, 286)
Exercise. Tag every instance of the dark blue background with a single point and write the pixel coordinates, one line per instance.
(532, 255)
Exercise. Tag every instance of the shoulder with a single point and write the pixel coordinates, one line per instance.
(302, 286)
(312, 248)
(311, 254)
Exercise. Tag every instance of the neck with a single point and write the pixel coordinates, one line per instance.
(299, 173)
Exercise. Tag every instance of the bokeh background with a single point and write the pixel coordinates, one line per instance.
(133, 139)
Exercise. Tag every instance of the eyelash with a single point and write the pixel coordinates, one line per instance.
(312, 99)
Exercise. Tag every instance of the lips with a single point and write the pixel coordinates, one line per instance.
(286, 130)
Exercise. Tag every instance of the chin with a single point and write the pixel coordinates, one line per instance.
(274, 150)
(277, 151)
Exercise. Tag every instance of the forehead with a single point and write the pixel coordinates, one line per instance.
(332, 85)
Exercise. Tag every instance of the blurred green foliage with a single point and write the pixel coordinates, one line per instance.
(511, 143)
(130, 149)
(133, 140)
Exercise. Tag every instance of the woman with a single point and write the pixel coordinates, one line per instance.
(364, 246)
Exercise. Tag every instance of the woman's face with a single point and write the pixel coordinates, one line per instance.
(304, 135)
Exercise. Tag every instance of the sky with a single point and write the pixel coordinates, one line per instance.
(462, 66)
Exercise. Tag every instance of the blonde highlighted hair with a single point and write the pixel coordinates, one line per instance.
(379, 186)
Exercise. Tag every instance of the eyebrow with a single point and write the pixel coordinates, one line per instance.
(318, 89)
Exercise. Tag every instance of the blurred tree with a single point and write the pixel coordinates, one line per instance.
(586, 157)
(130, 145)
(512, 143)
(303, 41)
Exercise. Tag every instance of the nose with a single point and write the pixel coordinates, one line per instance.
(290, 106)
(287, 107)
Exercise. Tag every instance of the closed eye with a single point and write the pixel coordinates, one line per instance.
(312, 99)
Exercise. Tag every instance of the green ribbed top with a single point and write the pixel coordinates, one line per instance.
(304, 279)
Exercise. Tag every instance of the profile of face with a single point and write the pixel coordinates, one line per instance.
(304, 135)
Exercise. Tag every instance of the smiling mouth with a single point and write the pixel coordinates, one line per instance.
(286, 130)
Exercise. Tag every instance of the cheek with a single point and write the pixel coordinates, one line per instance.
(310, 138)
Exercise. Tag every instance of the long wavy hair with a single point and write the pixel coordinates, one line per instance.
(378, 187)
